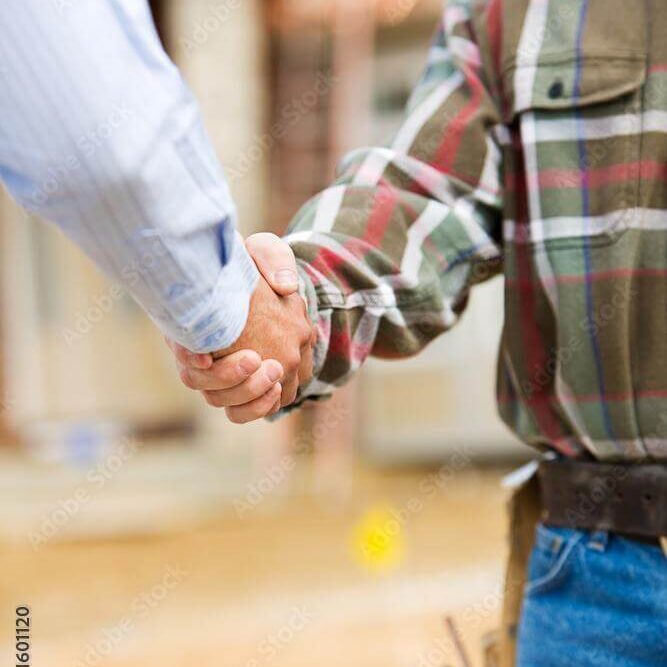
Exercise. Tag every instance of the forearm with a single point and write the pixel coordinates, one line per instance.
(388, 290)
(389, 253)
(99, 135)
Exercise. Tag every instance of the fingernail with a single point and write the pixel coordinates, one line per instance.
(201, 361)
(274, 372)
(247, 366)
(285, 277)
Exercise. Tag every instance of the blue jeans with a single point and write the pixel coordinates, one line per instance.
(593, 600)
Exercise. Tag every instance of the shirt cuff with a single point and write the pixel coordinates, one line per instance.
(309, 295)
(315, 390)
(220, 322)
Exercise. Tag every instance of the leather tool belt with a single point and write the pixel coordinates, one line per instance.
(630, 499)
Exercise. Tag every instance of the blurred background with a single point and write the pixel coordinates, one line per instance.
(137, 523)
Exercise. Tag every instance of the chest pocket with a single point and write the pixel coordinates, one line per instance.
(574, 112)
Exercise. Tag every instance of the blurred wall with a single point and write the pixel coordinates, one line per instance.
(74, 344)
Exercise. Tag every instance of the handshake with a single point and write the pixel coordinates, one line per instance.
(263, 370)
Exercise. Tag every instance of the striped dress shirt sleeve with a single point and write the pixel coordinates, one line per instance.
(100, 135)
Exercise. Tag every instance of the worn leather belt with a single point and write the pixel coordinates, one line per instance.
(630, 499)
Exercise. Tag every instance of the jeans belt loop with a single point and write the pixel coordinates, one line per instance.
(598, 540)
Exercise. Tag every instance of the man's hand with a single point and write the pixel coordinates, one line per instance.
(263, 370)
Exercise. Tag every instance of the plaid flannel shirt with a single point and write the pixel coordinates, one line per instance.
(535, 146)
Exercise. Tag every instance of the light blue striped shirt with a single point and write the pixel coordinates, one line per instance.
(99, 134)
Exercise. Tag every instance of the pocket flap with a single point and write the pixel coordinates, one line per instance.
(553, 82)
(572, 53)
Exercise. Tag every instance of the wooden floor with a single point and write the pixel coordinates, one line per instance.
(286, 586)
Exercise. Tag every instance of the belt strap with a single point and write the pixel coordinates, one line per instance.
(630, 498)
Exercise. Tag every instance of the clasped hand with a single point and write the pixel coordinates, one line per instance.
(264, 369)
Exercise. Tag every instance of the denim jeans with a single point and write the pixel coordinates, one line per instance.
(593, 599)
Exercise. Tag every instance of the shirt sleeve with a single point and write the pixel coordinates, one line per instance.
(387, 255)
(100, 135)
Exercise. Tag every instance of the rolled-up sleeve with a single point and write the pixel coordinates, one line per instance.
(100, 135)
(389, 253)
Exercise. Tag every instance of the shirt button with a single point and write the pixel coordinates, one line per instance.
(556, 90)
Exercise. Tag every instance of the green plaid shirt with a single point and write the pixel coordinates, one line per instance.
(535, 146)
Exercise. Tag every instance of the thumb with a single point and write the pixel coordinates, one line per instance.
(275, 261)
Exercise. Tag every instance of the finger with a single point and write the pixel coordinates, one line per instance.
(290, 388)
(253, 388)
(257, 409)
(306, 366)
(275, 408)
(301, 378)
(225, 373)
(187, 358)
(275, 261)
